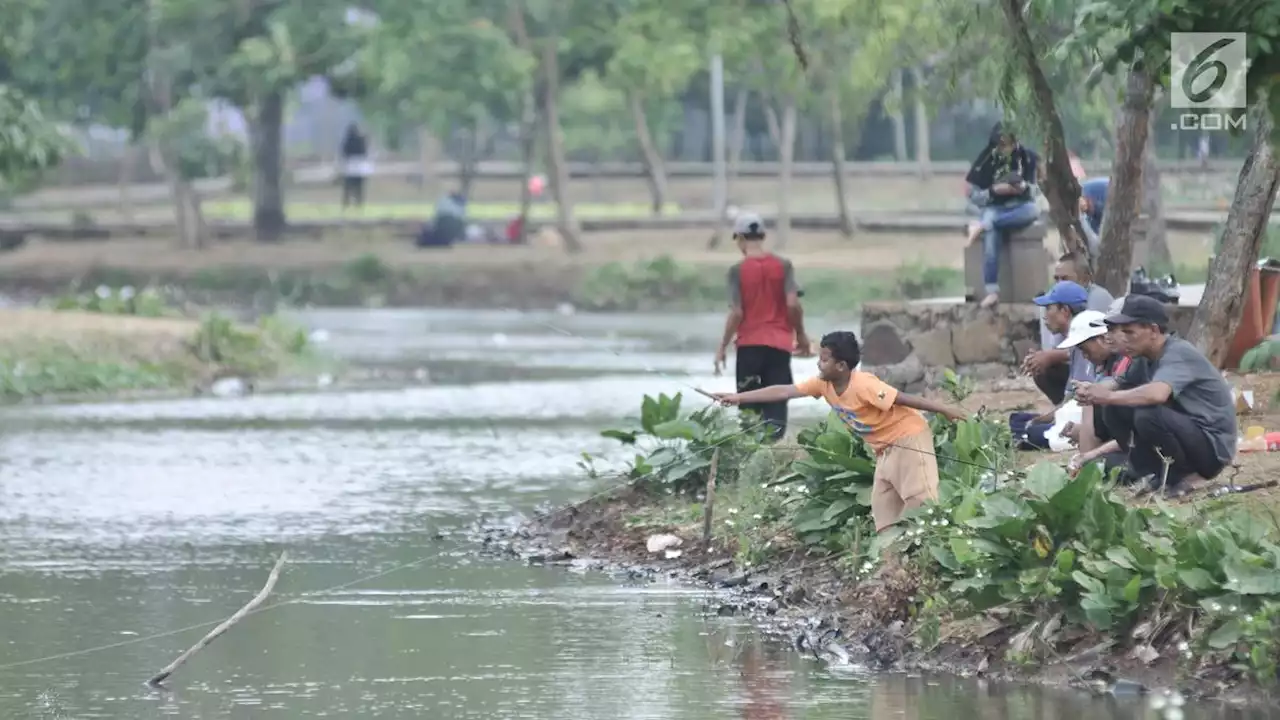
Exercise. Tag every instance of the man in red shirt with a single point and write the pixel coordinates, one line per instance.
(766, 317)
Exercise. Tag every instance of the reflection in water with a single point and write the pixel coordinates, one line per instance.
(120, 520)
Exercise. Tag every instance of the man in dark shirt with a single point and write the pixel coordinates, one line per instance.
(766, 318)
(1184, 412)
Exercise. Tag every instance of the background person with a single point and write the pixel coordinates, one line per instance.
(356, 166)
(765, 318)
(1093, 203)
(1096, 435)
(1184, 411)
(1002, 185)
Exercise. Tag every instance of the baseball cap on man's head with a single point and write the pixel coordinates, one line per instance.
(748, 225)
(1085, 326)
(1064, 292)
(1139, 309)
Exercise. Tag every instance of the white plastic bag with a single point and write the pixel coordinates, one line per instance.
(1070, 412)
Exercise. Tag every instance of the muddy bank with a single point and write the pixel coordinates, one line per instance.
(811, 602)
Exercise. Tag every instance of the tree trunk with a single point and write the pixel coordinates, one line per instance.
(837, 162)
(1060, 187)
(1218, 315)
(528, 138)
(898, 116)
(736, 140)
(775, 127)
(654, 170)
(922, 124)
(1124, 198)
(128, 159)
(268, 168)
(470, 153)
(1155, 242)
(428, 153)
(566, 224)
(786, 154)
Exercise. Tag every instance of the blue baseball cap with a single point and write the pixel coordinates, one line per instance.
(1064, 293)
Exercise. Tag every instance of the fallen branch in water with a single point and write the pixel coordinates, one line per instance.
(249, 607)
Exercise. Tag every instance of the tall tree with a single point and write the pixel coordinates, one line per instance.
(1124, 198)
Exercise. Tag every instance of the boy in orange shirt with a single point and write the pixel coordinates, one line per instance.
(888, 420)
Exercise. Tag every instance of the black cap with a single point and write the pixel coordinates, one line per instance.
(1139, 309)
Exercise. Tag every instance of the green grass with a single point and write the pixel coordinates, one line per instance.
(239, 209)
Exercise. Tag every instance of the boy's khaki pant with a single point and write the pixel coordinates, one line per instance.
(906, 477)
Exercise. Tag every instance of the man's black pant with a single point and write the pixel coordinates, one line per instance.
(760, 366)
(1149, 432)
(1053, 382)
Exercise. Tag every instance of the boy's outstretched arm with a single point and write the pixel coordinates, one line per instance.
(919, 403)
(773, 393)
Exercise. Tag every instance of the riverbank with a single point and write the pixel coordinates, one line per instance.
(1019, 572)
(50, 354)
(648, 270)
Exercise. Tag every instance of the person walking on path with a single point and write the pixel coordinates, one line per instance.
(765, 321)
(356, 166)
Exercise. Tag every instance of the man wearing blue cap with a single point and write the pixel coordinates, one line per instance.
(1062, 303)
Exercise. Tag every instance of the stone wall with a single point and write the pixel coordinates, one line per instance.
(958, 335)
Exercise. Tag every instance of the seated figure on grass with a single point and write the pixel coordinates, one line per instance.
(1184, 416)
(1002, 187)
(889, 421)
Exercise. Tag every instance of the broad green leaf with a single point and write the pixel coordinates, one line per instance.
(1122, 557)
(1197, 579)
(839, 507)
(1089, 584)
(622, 436)
(1225, 635)
(1045, 480)
(1132, 589)
(678, 430)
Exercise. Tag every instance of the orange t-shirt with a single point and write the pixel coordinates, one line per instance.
(867, 407)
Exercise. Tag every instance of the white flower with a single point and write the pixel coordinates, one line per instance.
(126, 292)
(1248, 618)
(729, 523)
(1234, 609)
(103, 292)
(758, 516)
(1215, 607)
(1183, 646)
(929, 511)
(944, 522)
(733, 511)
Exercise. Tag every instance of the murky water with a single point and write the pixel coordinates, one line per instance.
(122, 521)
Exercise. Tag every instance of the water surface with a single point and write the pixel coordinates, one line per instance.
(122, 520)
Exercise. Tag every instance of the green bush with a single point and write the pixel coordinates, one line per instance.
(62, 370)
(261, 350)
(649, 284)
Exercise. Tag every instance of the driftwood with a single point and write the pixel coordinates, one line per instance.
(708, 508)
(240, 614)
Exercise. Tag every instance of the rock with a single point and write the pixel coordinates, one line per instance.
(727, 610)
(662, 541)
(673, 554)
(907, 376)
(882, 345)
(979, 341)
(727, 580)
(933, 347)
(230, 387)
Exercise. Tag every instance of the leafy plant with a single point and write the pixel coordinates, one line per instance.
(676, 450)
(125, 300)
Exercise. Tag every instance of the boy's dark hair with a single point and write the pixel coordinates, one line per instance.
(844, 347)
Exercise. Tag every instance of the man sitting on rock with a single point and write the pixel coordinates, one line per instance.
(1051, 366)
(1184, 417)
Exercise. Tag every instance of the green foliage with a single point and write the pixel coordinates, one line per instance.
(29, 142)
(646, 284)
(61, 370)
(675, 449)
(254, 350)
(125, 300)
(1261, 357)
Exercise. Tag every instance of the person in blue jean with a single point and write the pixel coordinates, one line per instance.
(1002, 187)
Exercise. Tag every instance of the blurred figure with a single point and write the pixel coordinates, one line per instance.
(449, 224)
(1093, 203)
(356, 166)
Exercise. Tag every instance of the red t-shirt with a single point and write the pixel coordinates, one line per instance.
(760, 285)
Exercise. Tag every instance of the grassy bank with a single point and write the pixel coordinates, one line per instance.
(1015, 572)
(51, 353)
(367, 280)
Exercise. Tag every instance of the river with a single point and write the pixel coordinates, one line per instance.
(123, 521)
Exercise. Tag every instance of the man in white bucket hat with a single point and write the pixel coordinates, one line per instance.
(1101, 430)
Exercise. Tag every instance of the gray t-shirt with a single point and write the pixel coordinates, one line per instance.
(1200, 392)
(1081, 369)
